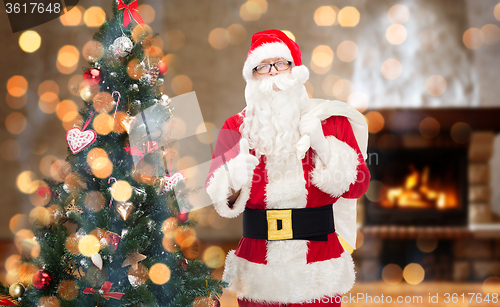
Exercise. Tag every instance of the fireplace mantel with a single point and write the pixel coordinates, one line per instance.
(406, 120)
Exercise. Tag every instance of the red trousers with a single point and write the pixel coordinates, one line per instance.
(333, 301)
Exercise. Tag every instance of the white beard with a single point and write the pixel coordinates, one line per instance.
(271, 123)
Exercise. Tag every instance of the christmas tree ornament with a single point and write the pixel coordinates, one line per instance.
(16, 290)
(160, 184)
(105, 292)
(139, 276)
(162, 67)
(88, 92)
(122, 46)
(42, 280)
(165, 100)
(120, 118)
(183, 217)
(116, 103)
(113, 239)
(72, 268)
(127, 123)
(45, 193)
(131, 9)
(133, 260)
(124, 209)
(153, 73)
(103, 102)
(183, 263)
(68, 289)
(49, 301)
(78, 139)
(89, 245)
(92, 76)
(97, 260)
(159, 273)
(202, 301)
(215, 302)
(72, 207)
(172, 181)
(121, 191)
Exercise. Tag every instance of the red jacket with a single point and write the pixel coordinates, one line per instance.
(290, 271)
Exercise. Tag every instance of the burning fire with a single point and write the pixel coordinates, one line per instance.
(418, 192)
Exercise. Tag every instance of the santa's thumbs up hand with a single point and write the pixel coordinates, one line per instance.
(242, 166)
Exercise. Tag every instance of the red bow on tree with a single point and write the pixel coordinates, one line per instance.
(130, 9)
(6, 302)
(105, 289)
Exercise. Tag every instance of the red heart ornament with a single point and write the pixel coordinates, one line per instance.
(78, 140)
(171, 181)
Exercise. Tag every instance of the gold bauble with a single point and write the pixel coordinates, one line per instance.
(138, 276)
(16, 290)
(87, 93)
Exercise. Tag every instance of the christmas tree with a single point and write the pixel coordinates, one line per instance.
(116, 234)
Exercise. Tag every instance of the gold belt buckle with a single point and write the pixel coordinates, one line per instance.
(286, 231)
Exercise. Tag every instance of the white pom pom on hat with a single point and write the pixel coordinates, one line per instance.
(274, 44)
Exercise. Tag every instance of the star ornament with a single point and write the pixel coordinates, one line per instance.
(133, 260)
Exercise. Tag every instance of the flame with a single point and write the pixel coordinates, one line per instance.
(418, 191)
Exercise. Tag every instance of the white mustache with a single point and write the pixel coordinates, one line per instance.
(281, 81)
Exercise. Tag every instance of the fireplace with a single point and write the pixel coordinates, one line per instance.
(417, 186)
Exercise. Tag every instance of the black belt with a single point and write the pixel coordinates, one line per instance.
(287, 224)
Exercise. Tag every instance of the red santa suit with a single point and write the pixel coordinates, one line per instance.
(290, 271)
(294, 271)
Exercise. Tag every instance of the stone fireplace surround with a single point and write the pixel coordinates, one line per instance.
(463, 253)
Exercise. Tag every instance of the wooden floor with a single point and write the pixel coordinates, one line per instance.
(425, 294)
(366, 294)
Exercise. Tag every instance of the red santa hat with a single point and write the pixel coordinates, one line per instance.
(274, 44)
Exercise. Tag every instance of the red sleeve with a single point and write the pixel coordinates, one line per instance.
(340, 127)
(226, 147)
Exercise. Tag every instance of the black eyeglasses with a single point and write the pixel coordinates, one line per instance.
(266, 68)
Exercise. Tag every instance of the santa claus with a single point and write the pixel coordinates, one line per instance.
(293, 167)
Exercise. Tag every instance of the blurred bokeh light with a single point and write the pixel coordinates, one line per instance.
(325, 16)
(348, 16)
(94, 17)
(30, 41)
(17, 86)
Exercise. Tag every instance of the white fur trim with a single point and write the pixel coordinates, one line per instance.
(289, 282)
(265, 51)
(286, 187)
(301, 73)
(340, 172)
(219, 191)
